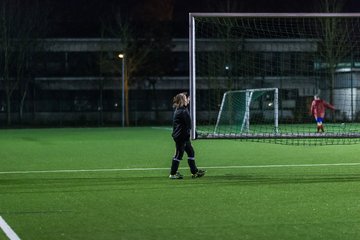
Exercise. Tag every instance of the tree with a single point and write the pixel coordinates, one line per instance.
(134, 50)
(157, 17)
(19, 24)
(335, 42)
(145, 40)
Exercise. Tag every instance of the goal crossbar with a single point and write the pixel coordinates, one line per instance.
(191, 15)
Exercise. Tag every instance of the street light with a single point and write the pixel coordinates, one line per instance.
(122, 56)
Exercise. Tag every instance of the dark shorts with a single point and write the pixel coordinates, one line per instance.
(319, 119)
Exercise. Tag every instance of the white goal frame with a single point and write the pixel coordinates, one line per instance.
(192, 68)
(245, 125)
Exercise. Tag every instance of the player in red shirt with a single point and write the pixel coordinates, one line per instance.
(318, 107)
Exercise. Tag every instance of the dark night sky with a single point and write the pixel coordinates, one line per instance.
(81, 18)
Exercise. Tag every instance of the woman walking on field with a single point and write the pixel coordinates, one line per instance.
(181, 136)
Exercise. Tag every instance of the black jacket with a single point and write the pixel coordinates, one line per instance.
(181, 124)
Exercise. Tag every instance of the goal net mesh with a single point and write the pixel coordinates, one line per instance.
(301, 56)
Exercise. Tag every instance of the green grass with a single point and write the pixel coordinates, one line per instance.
(253, 201)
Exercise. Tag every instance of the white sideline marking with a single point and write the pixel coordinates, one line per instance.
(208, 167)
(7, 230)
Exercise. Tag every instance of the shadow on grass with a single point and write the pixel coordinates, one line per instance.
(285, 179)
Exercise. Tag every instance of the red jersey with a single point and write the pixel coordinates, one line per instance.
(319, 106)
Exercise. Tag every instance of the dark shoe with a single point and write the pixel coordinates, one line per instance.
(177, 175)
(199, 174)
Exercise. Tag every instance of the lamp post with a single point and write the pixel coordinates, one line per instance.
(122, 56)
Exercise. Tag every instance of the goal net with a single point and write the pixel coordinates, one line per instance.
(254, 76)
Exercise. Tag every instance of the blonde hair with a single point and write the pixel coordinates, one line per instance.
(179, 100)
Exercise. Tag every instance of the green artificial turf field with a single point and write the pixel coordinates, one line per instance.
(112, 183)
